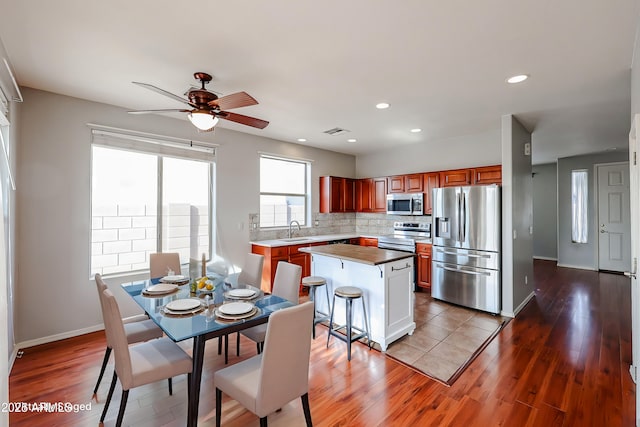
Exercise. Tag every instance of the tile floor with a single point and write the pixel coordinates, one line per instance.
(445, 339)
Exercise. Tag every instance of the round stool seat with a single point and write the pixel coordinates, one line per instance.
(313, 281)
(348, 292)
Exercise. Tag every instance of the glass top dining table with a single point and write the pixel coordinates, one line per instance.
(203, 323)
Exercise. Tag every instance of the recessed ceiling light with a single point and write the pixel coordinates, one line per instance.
(351, 140)
(302, 140)
(416, 130)
(382, 106)
(517, 79)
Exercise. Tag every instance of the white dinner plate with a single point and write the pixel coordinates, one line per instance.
(222, 316)
(235, 308)
(169, 279)
(162, 288)
(241, 293)
(183, 304)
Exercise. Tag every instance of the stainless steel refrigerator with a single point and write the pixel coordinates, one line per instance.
(467, 238)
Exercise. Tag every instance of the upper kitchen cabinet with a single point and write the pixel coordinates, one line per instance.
(457, 177)
(429, 182)
(488, 175)
(395, 184)
(371, 195)
(337, 194)
(411, 183)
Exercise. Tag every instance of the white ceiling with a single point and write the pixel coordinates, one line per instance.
(316, 65)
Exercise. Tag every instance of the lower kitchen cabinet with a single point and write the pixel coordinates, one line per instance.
(368, 241)
(273, 255)
(423, 252)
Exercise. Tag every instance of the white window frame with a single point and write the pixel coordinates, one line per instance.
(307, 188)
(161, 146)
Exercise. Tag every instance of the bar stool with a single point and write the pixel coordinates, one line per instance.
(349, 293)
(312, 282)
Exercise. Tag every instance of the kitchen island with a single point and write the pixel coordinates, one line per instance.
(386, 278)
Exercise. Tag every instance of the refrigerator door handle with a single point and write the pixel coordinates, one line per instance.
(458, 217)
(457, 270)
(463, 254)
(463, 225)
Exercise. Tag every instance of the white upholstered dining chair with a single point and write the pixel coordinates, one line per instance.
(162, 262)
(144, 329)
(251, 274)
(139, 364)
(280, 374)
(286, 284)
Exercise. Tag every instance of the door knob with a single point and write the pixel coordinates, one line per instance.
(602, 231)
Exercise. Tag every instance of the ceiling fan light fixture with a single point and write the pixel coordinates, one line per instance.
(203, 119)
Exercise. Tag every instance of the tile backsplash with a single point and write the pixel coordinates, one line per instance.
(375, 224)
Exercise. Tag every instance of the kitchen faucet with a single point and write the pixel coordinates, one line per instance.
(290, 224)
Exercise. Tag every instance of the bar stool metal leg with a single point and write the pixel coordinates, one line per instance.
(349, 320)
(333, 307)
(312, 298)
(366, 323)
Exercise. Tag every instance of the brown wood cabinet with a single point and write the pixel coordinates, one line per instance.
(337, 194)
(453, 178)
(368, 241)
(272, 255)
(429, 182)
(423, 252)
(488, 175)
(413, 183)
(395, 184)
(371, 195)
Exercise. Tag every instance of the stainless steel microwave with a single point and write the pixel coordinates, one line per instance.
(405, 204)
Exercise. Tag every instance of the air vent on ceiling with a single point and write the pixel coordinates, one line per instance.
(336, 131)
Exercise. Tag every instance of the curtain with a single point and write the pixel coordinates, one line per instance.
(579, 206)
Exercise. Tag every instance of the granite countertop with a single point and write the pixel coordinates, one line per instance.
(301, 240)
(363, 254)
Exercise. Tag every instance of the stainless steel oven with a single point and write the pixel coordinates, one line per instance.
(405, 204)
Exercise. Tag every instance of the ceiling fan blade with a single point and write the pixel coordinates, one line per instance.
(164, 92)
(243, 120)
(235, 100)
(172, 110)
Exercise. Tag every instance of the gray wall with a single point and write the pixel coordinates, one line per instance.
(55, 296)
(545, 211)
(517, 217)
(482, 149)
(580, 255)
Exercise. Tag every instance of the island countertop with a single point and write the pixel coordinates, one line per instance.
(363, 254)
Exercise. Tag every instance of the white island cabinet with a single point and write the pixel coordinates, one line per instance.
(386, 279)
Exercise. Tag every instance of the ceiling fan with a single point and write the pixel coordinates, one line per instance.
(206, 107)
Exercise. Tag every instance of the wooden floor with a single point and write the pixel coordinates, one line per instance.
(562, 362)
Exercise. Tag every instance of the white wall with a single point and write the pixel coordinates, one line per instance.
(517, 217)
(580, 255)
(545, 211)
(482, 149)
(55, 297)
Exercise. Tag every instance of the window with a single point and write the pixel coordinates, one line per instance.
(579, 206)
(147, 198)
(284, 191)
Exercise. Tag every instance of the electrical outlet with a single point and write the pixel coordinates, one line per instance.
(316, 223)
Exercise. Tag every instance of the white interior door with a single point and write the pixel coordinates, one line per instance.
(614, 220)
(634, 179)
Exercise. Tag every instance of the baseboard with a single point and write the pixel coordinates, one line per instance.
(579, 267)
(12, 357)
(518, 308)
(546, 258)
(57, 337)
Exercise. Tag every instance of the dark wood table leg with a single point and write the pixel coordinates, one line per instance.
(196, 376)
